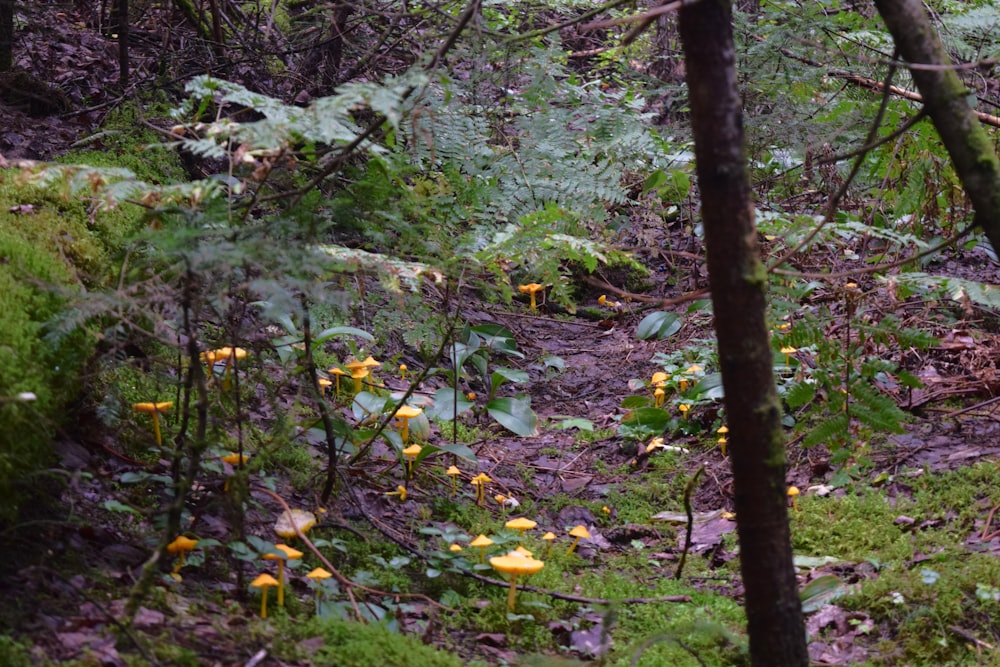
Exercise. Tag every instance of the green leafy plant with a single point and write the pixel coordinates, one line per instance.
(478, 347)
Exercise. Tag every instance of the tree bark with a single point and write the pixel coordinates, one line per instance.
(946, 99)
(739, 281)
(6, 35)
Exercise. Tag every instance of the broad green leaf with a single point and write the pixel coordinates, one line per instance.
(514, 414)
(459, 449)
(327, 334)
(115, 506)
(656, 417)
(821, 591)
(630, 402)
(577, 423)
(709, 387)
(502, 375)
(658, 325)
(448, 403)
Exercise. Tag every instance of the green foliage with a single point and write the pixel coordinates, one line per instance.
(347, 644)
(14, 653)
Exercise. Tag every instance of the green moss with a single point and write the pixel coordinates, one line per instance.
(347, 644)
(51, 245)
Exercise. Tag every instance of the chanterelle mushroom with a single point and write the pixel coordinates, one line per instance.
(515, 565)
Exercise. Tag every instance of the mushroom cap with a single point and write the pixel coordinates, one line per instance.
(319, 573)
(180, 544)
(408, 412)
(660, 376)
(336, 370)
(516, 565)
(793, 491)
(223, 353)
(580, 531)
(232, 458)
(453, 470)
(150, 408)
(521, 551)
(722, 429)
(285, 525)
(354, 365)
(370, 362)
(289, 553)
(659, 392)
(549, 536)
(788, 349)
(530, 288)
(323, 382)
(263, 581)
(454, 548)
(360, 373)
(481, 541)
(413, 451)
(481, 478)
(694, 368)
(683, 407)
(521, 523)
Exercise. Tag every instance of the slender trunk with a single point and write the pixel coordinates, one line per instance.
(946, 100)
(739, 282)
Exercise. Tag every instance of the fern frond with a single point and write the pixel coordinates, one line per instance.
(827, 431)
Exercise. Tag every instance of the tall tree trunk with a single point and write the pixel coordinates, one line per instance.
(6, 35)
(739, 282)
(946, 100)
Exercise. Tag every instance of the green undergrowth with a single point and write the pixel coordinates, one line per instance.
(349, 644)
(923, 577)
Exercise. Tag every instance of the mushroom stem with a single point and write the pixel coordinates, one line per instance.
(568, 551)
(281, 583)
(156, 428)
(263, 601)
(512, 593)
(404, 433)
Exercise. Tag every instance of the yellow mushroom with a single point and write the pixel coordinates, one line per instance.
(405, 413)
(154, 409)
(337, 373)
(318, 576)
(515, 565)
(285, 553)
(480, 481)
(531, 289)
(453, 472)
(521, 525)
(549, 538)
(580, 532)
(263, 582)
(481, 543)
(400, 491)
(410, 454)
(793, 494)
(180, 546)
(285, 526)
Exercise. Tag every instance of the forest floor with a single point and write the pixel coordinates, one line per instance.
(922, 502)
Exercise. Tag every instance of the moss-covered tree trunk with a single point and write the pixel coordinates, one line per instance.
(947, 102)
(739, 282)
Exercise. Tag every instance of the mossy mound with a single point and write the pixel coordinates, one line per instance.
(52, 247)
